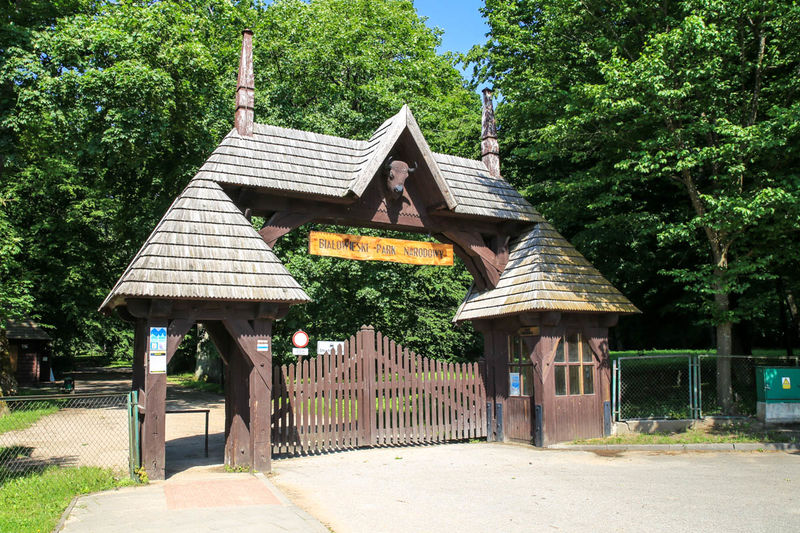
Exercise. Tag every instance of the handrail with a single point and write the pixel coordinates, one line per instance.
(206, 411)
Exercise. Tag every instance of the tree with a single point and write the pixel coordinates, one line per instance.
(109, 108)
(682, 113)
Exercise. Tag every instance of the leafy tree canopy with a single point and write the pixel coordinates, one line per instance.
(107, 109)
(661, 133)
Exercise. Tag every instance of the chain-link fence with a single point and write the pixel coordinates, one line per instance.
(654, 387)
(685, 386)
(76, 430)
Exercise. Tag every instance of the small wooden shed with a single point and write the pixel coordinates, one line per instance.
(29, 347)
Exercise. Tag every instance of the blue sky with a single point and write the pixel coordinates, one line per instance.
(460, 19)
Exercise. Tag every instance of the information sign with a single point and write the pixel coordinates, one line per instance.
(379, 249)
(157, 363)
(513, 386)
(329, 346)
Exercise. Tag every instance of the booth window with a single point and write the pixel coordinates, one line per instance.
(574, 366)
(520, 368)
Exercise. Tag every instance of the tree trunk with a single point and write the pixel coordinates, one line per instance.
(724, 346)
(8, 382)
(209, 363)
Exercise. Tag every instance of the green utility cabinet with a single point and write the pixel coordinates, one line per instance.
(778, 393)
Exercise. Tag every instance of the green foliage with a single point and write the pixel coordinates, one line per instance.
(34, 503)
(410, 304)
(661, 135)
(107, 109)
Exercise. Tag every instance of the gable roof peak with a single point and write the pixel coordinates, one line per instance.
(384, 140)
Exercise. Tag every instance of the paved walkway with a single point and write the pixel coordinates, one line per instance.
(195, 501)
(480, 487)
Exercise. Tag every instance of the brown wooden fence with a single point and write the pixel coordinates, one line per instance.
(374, 392)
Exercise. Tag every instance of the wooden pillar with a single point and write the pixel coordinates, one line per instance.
(598, 342)
(153, 395)
(495, 352)
(544, 384)
(249, 391)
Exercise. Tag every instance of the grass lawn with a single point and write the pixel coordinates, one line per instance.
(23, 419)
(699, 435)
(34, 503)
(187, 380)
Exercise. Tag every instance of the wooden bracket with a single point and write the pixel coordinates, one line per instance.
(176, 331)
(246, 338)
(282, 223)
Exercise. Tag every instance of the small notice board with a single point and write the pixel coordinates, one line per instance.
(157, 360)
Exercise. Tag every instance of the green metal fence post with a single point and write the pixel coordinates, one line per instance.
(614, 391)
(133, 433)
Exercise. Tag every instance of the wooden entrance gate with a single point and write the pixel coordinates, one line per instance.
(374, 392)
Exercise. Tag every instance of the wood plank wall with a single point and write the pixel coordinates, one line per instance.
(374, 392)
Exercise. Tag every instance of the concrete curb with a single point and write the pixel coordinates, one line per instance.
(715, 446)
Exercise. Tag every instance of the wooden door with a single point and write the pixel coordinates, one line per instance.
(519, 413)
(577, 404)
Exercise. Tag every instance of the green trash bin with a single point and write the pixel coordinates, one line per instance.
(778, 393)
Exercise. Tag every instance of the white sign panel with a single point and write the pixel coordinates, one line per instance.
(158, 363)
(329, 346)
(262, 345)
(300, 351)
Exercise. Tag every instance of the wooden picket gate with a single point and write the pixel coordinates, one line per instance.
(323, 403)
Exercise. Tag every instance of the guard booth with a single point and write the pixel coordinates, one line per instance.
(30, 351)
(544, 311)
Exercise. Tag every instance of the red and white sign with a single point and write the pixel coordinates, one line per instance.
(300, 339)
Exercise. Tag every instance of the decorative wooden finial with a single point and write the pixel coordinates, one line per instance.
(245, 87)
(490, 148)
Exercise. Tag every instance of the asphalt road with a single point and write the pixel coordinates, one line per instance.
(500, 487)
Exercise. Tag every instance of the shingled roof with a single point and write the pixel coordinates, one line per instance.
(287, 160)
(26, 329)
(545, 273)
(204, 248)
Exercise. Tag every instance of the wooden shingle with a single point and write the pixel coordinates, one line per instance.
(545, 273)
(205, 249)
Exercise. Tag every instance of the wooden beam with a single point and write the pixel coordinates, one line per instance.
(282, 223)
(209, 310)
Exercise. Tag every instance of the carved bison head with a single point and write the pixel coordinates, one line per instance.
(397, 172)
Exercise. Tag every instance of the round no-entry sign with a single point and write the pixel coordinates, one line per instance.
(300, 339)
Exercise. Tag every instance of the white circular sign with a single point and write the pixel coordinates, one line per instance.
(300, 339)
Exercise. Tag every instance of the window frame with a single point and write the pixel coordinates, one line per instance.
(565, 347)
(522, 364)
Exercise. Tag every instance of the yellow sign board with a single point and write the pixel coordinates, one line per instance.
(786, 383)
(379, 249)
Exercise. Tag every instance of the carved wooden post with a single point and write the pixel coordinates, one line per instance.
(490, 149)
(155, 393)
(249, 391)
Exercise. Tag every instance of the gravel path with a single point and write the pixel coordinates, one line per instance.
(91, 432)
(497, 487)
